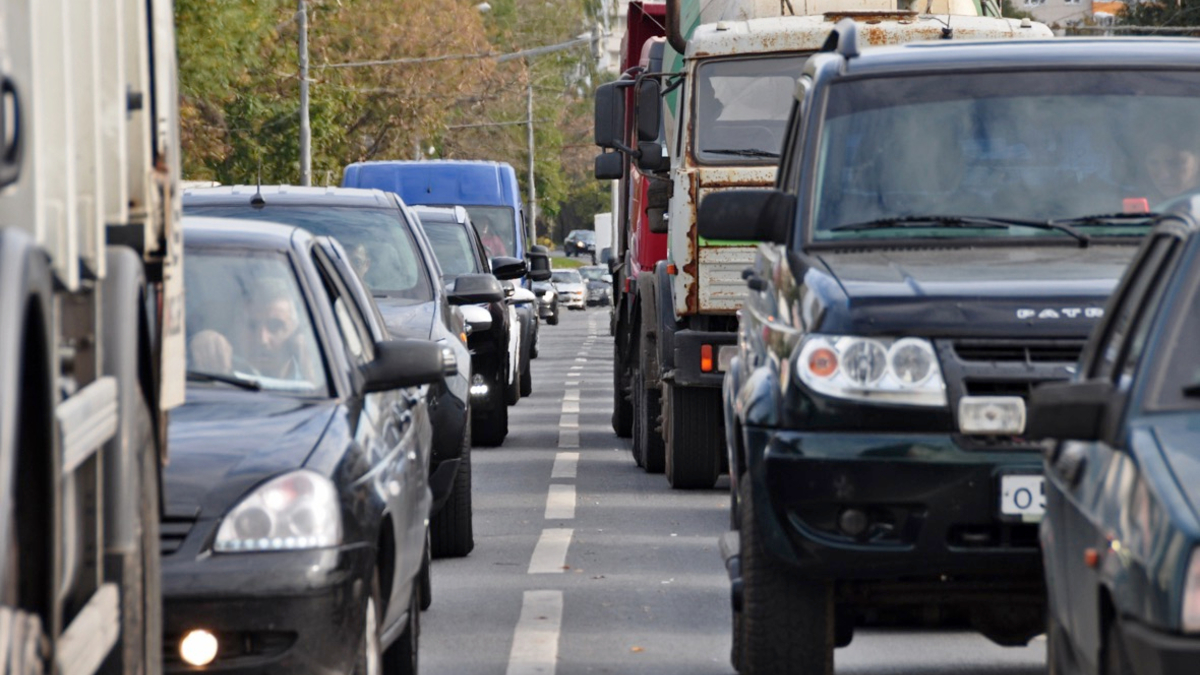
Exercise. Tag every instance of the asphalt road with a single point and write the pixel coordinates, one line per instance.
(585, 564)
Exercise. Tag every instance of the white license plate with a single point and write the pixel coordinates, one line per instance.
(1023, 497)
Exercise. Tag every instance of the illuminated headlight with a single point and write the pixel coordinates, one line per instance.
(198, 648)
(549, 295)
(1191, 595)
(298, 510)
(478, 386)
(903, 372)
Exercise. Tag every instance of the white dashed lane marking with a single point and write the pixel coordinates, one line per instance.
(560, 502)
(565, 465)
(550, 554)
(535, 640)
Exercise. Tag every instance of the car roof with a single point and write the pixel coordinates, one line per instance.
(235, 232)
(291, 195)
(1047, 54)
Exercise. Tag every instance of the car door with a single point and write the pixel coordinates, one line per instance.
(395, 424)
(1088, 483)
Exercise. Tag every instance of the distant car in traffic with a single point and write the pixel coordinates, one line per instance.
(580, 242)
(1121, 536)
(397, 264)
(547, 301)
(599, 284)
(297, 497)
(572, 291)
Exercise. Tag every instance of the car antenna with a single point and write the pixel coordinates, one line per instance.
(257, 200)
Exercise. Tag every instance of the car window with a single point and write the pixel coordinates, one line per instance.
(452, 246)
(1120, 346)
(592, 273)
(247, 319)
(380, 247)
(1178, 385)
(352, 325)
(742, 108)
(497, 228)
(566, 277)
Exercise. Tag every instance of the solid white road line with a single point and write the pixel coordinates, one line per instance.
(535, 641)
(550, 554)
(560, 502)
(565, 464)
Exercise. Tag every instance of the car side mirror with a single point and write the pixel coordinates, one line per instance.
(606, 278)
(610, 116)
(505, 268)
(407, 363)
(649, 107)
(610, 166)
(521, 295)
(757, 215)
(539, 263)
(476, 318)
(474, 289)
(1073, 411)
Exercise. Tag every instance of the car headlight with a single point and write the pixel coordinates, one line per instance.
(903, 371)
(549, 295)
(1191, 595)
(298, 510)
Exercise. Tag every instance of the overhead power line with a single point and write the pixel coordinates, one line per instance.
(499, 58)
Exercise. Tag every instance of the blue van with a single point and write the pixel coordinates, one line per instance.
(488, 190)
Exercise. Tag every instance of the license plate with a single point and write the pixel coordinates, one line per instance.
(1023, 497)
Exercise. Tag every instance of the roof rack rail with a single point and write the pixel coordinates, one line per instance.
(843, 39)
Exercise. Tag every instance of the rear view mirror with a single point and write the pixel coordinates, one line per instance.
(473, 289)
(521, 295)
(610, 166)
(758, 215)
(476, 318)
(539, 263)
(1068, 410)
(610, 116)
(407, 363)
(649, 102)
(505, 268)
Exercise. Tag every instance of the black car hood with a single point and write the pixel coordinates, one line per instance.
(407, 318)
(1176, 437)
(224, 441)
(1051, 291)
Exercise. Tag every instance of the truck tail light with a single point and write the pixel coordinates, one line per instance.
(706, 358)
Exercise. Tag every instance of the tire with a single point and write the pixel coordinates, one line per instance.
(786, 624)
(693, 438)
(370, 656)
(553, 320)
(451, 534)
(425, 578)
(1116, 658)
(491, 428)
(637, 447)
(526, 380)
(654, 452)
(622, 417)
(401, 657)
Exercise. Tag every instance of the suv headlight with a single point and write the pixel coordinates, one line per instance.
(1191, 595)
(298, 510)
(902, 371)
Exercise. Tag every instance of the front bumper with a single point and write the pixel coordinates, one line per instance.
(1159, 653)
(574, 301)
(279, 612)
(931, 508)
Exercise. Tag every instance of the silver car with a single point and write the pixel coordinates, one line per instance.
(572, 291)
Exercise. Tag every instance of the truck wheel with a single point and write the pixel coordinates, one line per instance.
(450, 530)
(693, 437)
(622, 417)
(654, 450)
(526, 380)
(639, 437)
(787, 622)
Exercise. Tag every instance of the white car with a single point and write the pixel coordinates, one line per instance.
(572, 291)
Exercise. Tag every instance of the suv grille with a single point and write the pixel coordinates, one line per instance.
(1057, 351)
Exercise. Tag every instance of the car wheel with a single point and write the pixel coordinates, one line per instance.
(425, 578)
(622, 418)
(693, 438)
(553, 320)
(489, 429)
(401, 657)
(1116, 659)
(512, 389)
(370, 657)
(787, 622)
(451, 534)
(526, 380)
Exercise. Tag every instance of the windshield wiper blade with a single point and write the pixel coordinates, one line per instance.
(201, 376)
(965, 222)
(1108, 219)
(741, 152)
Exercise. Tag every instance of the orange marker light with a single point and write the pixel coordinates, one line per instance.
(822, 362)
(706, 359)
(1091, 558)
(672, 269)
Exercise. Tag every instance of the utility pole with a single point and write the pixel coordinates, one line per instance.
(305, 128)
(529, 127)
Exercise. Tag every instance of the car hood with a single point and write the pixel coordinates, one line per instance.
(407, 318)
(568, 288)
(223, 442)
(1045, 290)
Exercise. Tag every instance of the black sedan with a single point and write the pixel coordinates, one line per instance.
(580, 242)
(397, 264)
(1121, 536)
(297, 496)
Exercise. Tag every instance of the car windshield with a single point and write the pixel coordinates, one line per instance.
(452, 246)
(381, 249)
(248, 324)
(566, 277)
(1000, 155)
(742, 108)
(593, 273)
(497, 228)
(585, 235)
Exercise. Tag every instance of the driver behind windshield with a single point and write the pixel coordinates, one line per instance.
(1174, 171)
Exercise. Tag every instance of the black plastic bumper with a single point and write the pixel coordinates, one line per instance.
(928, 512)
(1159, 653)
(685, 371)
(285, 612)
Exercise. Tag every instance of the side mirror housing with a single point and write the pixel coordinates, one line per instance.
(649, 109)
(1072, 411)
(539, 263)
(651, 156)
(610, 166)
(505, 268)
(407, 363)
(758, 215)
(474, 289)
(476, 318)
(610, 116)
(521, 295)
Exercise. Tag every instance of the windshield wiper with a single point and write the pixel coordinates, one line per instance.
(965, 222)
(200, 376)
(1108, 219)
(741, 152)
